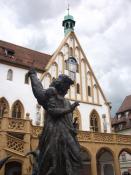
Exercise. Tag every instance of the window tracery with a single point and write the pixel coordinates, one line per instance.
(94, 122)
(17, 110)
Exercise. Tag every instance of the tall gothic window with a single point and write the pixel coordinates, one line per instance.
(17, 110)
(94, 122)
(78, 88)
(89, 91)
(10, 75)
(4, 108)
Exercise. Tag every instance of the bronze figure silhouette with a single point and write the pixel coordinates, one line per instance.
(58, 145)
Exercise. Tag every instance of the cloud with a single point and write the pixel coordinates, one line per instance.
(33, 12)
(105, 36)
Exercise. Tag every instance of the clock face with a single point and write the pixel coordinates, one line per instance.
(72, 64)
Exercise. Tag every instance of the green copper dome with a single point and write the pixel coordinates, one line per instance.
(68, 24)
(68, 17)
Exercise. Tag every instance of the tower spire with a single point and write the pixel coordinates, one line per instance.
(68, 22)
(68, 9)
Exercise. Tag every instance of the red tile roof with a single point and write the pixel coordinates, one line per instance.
(126, 105)
(23, 57)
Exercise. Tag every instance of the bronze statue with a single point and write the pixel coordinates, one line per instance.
(35, 155)
(58, 145)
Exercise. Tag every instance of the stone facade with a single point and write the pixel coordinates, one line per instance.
(102, 150)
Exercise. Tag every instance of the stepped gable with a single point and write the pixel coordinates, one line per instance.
(126, 105)
(22, 57)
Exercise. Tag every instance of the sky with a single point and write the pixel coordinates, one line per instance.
(103, 28)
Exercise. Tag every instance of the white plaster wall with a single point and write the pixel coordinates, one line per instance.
(17, 89)
(85, 111)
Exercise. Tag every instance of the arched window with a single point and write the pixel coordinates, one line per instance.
(86, 160)
(78, 88)
(17, 110)
(105, 162)
(10, 75)
(94, 122)
(26, 79)
(4, 107)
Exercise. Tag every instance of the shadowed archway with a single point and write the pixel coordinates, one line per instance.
(13, 168)
(86, 159)
(105, 162)
(125, 161)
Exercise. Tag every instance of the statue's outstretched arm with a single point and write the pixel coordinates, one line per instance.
(37, 87)
(58, 111)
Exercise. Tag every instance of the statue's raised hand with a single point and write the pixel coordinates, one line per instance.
(31, 71)
(74, 105)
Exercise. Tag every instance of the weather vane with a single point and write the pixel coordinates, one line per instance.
(68, 9)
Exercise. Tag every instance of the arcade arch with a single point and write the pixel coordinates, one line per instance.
(105, 162)
(13, 168)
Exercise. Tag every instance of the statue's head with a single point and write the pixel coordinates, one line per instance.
(62, 84)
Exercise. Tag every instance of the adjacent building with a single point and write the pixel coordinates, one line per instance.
(121, 124)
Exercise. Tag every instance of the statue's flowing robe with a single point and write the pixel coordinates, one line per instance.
(59, 148)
